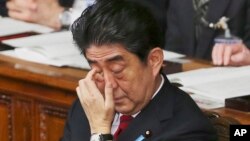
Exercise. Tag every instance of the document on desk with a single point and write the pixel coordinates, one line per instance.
(215, 84)
(55, 49)
(10, 26)
(41, 40)
(169, 55)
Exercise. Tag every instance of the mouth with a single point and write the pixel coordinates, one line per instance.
(118, 100)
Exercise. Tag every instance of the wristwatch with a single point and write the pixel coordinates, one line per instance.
(101, 137)
(65, 18)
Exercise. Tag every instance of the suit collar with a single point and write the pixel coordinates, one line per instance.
(164, 99)
(152, 115)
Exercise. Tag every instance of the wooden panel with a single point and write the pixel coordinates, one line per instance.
(5, 118)
(51, 122)
(22, 119)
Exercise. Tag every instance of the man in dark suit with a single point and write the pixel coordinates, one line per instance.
(124, 88)
(189, 29)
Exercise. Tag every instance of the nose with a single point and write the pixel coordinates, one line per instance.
(108, 77)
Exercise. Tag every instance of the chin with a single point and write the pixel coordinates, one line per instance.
(123, 109)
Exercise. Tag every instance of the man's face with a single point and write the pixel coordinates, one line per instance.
(132, 80)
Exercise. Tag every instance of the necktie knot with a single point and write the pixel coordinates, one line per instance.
(124, 122)
(126, 118)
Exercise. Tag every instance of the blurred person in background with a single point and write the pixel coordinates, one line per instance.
(190, 29)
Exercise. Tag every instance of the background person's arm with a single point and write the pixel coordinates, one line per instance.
(45, 12)
(232, 55)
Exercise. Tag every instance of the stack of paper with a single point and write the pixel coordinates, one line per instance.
(215, 84)
(10, 26)
(55, 49)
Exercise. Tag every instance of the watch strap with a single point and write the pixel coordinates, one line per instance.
(106, 137)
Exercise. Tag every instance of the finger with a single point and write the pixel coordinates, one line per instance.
(21, 4)
(90, 74)
(82, 100)
(99, 80)
(11, 6)
(84, 88)
(99, 77)
(84, 93)
(220, 54)
(90, 83)
(237, 48)
(214, 52)
(227, 55)
(85, 96)
(237, 59)
(19, 15)
(109, 101)
(238, 55)
(80, 96)
(94, 91)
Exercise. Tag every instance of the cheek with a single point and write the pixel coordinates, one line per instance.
(129, 83)
(130, 90)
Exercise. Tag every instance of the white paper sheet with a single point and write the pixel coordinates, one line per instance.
(168, 55)
(10, 26)
(53, 46)
(216, 83)
(76, 61)
(41, 40)
(55, 49)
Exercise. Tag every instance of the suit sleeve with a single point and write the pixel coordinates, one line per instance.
(67, 129)
(246, 32)
(66, 3)
(3, 9)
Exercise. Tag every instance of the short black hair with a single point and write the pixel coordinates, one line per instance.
(118, 21)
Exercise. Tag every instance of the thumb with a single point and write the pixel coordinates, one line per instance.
(237, 53)
(237, 57)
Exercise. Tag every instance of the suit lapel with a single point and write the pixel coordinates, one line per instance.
(149, 119)
(215, 11)
(184, 15)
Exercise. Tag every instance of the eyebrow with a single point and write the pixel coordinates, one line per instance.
(112, 59)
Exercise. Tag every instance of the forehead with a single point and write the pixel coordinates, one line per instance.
(103, 52)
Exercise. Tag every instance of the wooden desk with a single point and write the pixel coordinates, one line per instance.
(242, 117)
(34, 99)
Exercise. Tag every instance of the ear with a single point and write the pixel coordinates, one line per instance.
(155, 60)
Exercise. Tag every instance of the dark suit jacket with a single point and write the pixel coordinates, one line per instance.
(171, 116)
(180, 27)
(3, 10)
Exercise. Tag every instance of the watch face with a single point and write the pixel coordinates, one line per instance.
(95, 137)
(65, 18)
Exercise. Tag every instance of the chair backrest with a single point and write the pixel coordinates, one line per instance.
(221, 124)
